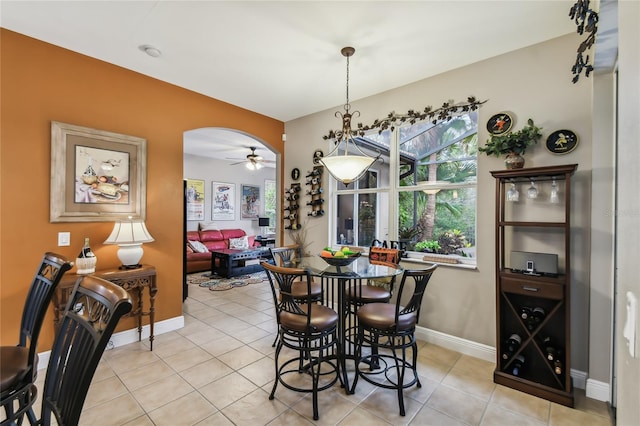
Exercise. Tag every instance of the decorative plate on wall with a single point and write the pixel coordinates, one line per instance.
(500, 123)
(562, 141)
(295, 174)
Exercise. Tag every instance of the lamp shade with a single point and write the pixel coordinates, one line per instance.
(129, 235)
(347, 168)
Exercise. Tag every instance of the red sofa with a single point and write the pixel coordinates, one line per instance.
(213, 239)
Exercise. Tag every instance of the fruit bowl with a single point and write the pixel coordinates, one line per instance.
(341, 261)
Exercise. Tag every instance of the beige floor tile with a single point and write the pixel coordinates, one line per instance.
(241, 357)
(103, 371)
(265, 344)
(475, 382)
(432, 369)
(289, 418)
(457, 404)
(130, 357)
(218, 419)
(475, 365)
(164, 348)
(565, 416)
(227, 390)
(521, 402)
(588, 405)
(205, 335)
(162, 392)
(427, 416)
(332, 407)
(360, 416)
(104, 390)
(187, 410)
(384, 404)
(145, 375)
(139, 421)
(127, 410)
(222, 345)
(260, 372)
(496, 415)
(204, 373)
(253, 409)
(438, 353)
(187, 359)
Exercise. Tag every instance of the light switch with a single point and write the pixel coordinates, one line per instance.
(64, 239)
(630, 331)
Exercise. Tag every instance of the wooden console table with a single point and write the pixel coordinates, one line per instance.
(129, 279)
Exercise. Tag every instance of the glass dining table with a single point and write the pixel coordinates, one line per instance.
(335, 282)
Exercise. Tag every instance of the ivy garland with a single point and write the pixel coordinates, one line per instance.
(586, 20)
(444, 113)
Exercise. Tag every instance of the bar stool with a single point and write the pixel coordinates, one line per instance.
(19, 366)
(391, 327)
(306, 327)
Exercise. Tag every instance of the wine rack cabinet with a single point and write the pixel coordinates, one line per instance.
(541, 364)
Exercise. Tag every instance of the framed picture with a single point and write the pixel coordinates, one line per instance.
(195, 199)
(250, 203)
(96, 176)
(224, 200)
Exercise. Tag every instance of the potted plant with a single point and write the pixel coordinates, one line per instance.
(513, 144)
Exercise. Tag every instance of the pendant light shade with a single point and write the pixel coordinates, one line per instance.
(350, 165)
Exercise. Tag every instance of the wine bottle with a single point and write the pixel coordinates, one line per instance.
(525, 312)
(315, 202)
(537, 316)
(314, 172)
(511, 345)
(313, 181)
(292, 197)
(293, 216)
(295, 188)
(518, 363)
(316, 213)
(315, 191)
(86, 260)
(549, 348)
(557, 366)
(292, 207)
(86, 250)
(293, 226)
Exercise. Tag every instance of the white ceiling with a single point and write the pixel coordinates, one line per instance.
(282, 58)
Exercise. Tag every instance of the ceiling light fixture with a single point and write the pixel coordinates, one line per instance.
(253, 165)
(347, 167)
(154, 52)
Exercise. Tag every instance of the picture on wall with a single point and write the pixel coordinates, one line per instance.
(96, 175)
(195, 199)
(224, 199)
(250, 204)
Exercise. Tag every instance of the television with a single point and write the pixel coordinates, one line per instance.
(263, 223)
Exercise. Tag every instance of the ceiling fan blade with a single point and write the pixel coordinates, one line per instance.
(239, 162)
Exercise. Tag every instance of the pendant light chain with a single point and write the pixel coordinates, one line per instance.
(347, 106)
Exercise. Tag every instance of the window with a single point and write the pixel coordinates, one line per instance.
(434, 183)
(270, 204)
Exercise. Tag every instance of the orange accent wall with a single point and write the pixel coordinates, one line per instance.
(40, 83)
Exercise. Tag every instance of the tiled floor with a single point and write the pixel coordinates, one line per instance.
(218, 370)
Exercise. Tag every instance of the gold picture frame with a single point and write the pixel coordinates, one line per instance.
(96, 175)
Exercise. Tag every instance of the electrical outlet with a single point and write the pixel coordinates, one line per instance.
(64, 239)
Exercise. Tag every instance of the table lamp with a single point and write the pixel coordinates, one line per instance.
(129, 235)
(263, 222)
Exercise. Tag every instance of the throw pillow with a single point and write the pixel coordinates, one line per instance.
(241, 243)
(198, 247)
(208, 226)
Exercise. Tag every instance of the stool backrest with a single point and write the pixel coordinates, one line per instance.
(281, 280)
(420, 278)
(94, 309)
(284, 256)
(44, 284)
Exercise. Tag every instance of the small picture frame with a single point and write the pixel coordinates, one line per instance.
(562, 141)
(295, 174)
(500, 123)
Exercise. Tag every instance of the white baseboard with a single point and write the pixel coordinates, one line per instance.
(598, 390)
(125, 337)
(594, 389)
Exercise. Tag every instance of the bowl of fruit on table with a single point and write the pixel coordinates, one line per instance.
(341, 257)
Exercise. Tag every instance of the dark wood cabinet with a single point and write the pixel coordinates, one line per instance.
(540, 364)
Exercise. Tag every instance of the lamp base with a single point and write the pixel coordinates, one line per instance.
(130, 255)
(126, 267)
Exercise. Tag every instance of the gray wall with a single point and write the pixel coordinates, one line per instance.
(534, 82)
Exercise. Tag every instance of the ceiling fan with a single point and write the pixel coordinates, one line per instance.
(253, 161)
